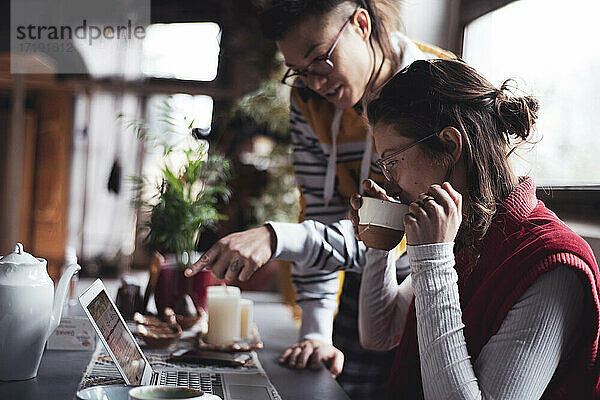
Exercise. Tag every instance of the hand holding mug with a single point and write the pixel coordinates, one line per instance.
(377, 220)
(435, 216)
(371, 189)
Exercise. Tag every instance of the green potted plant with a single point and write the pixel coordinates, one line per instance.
(178, 208)
(185, 203)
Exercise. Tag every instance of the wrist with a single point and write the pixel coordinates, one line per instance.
(272, 239)
(290, 240)
(427, 256)
(376, 259)
(317, 337)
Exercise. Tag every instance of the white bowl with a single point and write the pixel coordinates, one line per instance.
(168, 392)
(102, 392)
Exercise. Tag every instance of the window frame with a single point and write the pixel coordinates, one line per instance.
(470, 10)
(572, 203)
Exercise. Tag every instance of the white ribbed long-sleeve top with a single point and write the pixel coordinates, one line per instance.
(518, 362)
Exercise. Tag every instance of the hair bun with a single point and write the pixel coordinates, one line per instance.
(517, 114)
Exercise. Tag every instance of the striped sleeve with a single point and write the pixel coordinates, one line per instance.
(315, 247)
(317, 252)
(325, 251)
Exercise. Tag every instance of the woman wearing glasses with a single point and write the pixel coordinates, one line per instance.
(503, 300)
(337, 51)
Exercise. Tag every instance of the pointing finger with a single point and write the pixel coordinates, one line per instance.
(205, 262)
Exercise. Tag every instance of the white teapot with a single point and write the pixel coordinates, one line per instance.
(29, 311)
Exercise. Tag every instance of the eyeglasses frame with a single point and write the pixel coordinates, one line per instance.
(382, 162)
(322, 58)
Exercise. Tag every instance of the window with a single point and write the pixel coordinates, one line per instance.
(552, 50)
(182, 110)
(188, 51)
(169, 120)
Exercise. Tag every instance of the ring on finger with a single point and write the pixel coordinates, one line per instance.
(426, 200)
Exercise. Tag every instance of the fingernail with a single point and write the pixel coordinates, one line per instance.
(188, 272)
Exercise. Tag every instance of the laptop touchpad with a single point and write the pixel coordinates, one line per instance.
(243, 392)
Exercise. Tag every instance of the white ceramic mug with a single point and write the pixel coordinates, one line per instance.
(168, 393)
(381, 223)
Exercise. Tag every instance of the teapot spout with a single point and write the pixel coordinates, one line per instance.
(60, 296)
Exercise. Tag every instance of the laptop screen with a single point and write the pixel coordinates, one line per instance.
(118, 337)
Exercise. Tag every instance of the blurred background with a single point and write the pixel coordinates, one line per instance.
(77, 150)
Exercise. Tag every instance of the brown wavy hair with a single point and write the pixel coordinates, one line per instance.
(279, 17)
(428, 96)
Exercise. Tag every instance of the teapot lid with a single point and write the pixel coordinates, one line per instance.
(19, 256)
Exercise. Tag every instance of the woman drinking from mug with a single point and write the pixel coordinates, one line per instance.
(502, 300)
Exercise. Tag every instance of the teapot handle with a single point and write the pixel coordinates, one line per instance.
(60, 295)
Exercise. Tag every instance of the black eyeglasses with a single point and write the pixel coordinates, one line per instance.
(320, 66)
(389, 161)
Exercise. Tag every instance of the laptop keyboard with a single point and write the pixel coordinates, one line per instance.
(211, 383)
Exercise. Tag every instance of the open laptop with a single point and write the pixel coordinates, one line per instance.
(136, 370)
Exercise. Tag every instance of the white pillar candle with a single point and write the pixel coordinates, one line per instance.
(223, 315)
(223, 289)
(247, 314)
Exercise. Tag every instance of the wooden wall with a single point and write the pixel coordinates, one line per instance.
(28, 180)
(49, 224)
(26, 162)
(43, 164)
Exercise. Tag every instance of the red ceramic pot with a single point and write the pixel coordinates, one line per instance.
(172, 285)
(196, 288)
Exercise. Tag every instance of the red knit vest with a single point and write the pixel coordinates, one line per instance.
(524, 241)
